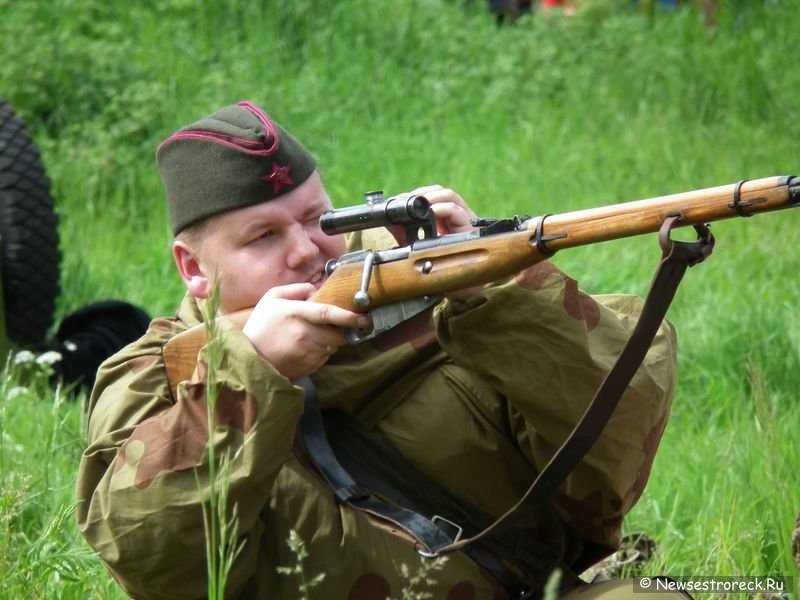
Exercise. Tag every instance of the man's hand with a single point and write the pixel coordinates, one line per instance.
(298, 337)
(453, 215)
(451, 211)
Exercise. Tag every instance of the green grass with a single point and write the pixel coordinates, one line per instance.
(548, 116)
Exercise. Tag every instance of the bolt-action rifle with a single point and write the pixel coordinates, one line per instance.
(395, 284)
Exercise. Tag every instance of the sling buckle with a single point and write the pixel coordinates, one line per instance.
(438, 520)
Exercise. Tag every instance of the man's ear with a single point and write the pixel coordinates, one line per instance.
(191, 269)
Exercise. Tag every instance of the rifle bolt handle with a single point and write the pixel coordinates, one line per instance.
(361, 299)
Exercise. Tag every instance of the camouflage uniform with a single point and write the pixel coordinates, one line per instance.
(477, 395)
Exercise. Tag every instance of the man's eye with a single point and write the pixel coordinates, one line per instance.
(264, 235)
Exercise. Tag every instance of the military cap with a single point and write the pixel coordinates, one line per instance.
(234, 158)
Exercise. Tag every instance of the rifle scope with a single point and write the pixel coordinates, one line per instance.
(404, 209)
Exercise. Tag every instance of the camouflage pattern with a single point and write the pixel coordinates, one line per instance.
(478, 395)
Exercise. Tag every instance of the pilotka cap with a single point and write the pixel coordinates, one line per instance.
(237, 157)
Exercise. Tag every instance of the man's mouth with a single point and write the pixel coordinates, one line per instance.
(317, 279)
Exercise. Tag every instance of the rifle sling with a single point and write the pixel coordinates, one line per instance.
(348, 457)
(441, 531)
(346, 490)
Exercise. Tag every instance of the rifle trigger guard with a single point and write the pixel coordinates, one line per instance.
(388, 316)
(697, 251)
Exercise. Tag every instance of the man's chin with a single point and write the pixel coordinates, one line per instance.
(229, 309)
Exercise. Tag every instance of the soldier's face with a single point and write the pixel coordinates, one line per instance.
(256, 248)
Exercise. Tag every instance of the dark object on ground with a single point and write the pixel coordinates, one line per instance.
(86, 337)
(509, 9)
(29, 263)
(29, 253)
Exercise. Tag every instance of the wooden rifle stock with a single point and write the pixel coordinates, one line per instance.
(439, 268)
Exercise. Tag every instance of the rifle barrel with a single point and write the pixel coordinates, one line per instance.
(627, 219)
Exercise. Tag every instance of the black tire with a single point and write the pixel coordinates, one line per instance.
(28, 235)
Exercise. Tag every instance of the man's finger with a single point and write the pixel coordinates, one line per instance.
(292, 291)
(445, 197)
(426, 189)
(330, 314)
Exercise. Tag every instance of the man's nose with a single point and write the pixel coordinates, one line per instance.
(302, 248)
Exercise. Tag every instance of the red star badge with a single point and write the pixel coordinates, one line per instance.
(279, 177)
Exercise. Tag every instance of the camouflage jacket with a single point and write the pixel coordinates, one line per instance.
(477, 395)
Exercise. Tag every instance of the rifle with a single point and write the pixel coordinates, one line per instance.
(395, 284)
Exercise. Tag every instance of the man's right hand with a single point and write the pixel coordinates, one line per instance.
(298, 337)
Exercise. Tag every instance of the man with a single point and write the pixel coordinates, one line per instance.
(475, 395)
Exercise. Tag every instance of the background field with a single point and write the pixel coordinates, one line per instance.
(551, 115)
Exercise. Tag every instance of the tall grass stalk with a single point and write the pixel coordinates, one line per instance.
(219, 519)
(305, 581)
(417, 582)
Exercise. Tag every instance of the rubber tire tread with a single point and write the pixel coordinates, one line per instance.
(29, 242)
